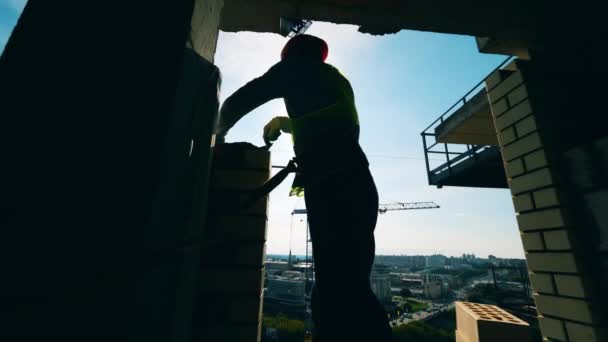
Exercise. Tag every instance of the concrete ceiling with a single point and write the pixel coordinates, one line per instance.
(515, 19)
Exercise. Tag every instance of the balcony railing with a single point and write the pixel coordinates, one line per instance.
(442, 159)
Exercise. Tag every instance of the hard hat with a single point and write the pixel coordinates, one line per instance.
(307, 46)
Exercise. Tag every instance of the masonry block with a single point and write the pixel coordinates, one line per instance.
(550, 218)
(232, 280)
(526, 126)
(238, 253)
(482, 322)
(552, 262)
(513, 115)
(568, 308)
(522, 146)
(499, 107)
(238, 227)
(536, 160)
(579, 332)
(570, 285)
(546, 198)
(531, 181)
(495, 78)
(532, 241)
(557, 240)
(515, 167)
(542, 282)
(238, 180)
(552, 328)
(517, 95)
(523, 202)
(506, 136)
(510, 83)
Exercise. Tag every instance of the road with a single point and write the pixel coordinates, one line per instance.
(433, 310)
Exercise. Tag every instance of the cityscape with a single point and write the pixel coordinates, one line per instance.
(418, 292)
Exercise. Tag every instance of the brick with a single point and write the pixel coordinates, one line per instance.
(232, 281)
(536, 160)
(231, 157)
(237, 228)
(242, 253)
(552, 328)
(579, 332)
(521, 147)
(531, 181)
(569, 285)
(546, 198)
(238, 180)
(523, 202)
(513, 115)
(532, 241)
(515, 167)
(517, 95)
(483, 322)
(568, 308)
(506, 136)
(495, 79)
(542, 282)
(552, 262)
(551, 218)
(557, 240)
(499, 107)
(511, 82)
(526, 126)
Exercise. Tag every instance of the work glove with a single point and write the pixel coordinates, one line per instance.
(273, 129)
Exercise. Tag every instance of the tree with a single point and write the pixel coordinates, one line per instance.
(405, 293)
(421, 332)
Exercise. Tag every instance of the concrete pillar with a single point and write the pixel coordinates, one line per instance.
(554, 152)
(205, 27)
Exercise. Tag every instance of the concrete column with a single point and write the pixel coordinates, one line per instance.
(205, 27)
(554, 156)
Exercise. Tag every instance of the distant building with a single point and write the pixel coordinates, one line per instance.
(381, 286)
(434, 286)
(291, 285)
(273, 266)
(435, 261)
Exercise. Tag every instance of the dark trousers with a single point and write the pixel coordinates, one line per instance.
(342, 213)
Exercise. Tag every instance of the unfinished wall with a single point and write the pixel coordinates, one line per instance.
(205, 27)
(563, 260)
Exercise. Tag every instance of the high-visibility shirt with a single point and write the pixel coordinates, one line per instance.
(321, 104)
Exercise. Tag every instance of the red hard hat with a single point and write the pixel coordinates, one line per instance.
(306, 45)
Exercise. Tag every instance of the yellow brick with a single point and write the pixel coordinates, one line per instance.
(546, 198)
(515, 167)
(230, 252)
(517, 95)
(499, 107)
(232, 281)
(552, 262)
(237, 228)
(536, 160)
(531, 181)
(532, 241)
(542, 282)
(579, 332)
(494, 79)
(557, 240)
(506, 136)
(513, 115)
(511, 82)
(238, 180)
(527, 125)
(551, 218)
(523, 202)
(552, 328)
(522, 146)
(568, 308)
(569, 285)
(228, 157)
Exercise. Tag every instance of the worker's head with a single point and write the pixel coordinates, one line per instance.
(304, 45)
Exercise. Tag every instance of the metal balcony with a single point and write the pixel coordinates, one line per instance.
(460, 147)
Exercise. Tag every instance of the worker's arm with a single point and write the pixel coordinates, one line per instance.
(252, 95)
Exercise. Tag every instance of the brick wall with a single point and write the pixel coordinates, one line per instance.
(229, 306)
(560, 271)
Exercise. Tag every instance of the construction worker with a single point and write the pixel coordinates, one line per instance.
(340, 194)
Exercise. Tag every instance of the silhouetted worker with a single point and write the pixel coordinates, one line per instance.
(340, 194)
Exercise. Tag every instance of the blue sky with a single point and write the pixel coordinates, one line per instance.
(402, 83)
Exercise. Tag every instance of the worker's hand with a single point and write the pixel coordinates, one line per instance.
(273, 129)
